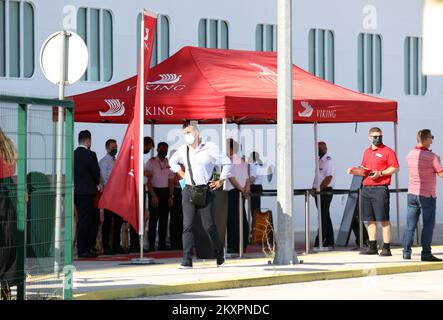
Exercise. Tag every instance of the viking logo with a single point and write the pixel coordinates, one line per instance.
(167, 78)
(308, 110)
(116, 108)
(265, 71)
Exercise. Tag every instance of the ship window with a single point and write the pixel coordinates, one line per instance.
(369, 71)
(415, 83)
(213, 34)
(266, 37)
(95, 28)
(16, 54)
(321, 54)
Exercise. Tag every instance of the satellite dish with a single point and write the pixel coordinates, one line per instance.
(76, 58)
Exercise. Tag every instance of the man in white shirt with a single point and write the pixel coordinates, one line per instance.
(256, 177)
(199, 158)
(238, 184)
(325, 183)
(161, 196)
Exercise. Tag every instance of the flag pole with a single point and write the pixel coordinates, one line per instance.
(140, 173)
(142, 122)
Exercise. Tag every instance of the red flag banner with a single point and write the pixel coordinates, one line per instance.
(121, 194)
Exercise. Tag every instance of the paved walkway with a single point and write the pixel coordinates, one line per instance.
(120, 280)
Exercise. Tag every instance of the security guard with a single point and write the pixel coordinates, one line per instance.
(327, 180)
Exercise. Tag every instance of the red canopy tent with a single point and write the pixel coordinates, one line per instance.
(214, 85)
(240, 86)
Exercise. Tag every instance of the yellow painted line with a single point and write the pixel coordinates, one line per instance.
(157, 290)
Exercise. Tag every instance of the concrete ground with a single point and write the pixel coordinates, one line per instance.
(406, 286)
(120, 280)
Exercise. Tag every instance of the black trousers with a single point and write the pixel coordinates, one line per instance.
(158, 215)
(87, 224)
(233, 222)
(176, 221)
(207, 218)
(134, 237)
(326, 223)
(106, 230)
(256, 200)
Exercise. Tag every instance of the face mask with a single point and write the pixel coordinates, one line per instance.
(377, 141)
(162, 154)
(321, 153)
(146, 151)
(189, 138)
(113, 152)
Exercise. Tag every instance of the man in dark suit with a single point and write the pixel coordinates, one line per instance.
(86, 183)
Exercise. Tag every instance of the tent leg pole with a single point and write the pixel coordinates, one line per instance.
(223, 145)
(240, 221)
(397, 196)
(317, 170)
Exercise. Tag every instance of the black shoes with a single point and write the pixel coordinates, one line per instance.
(431, 258)
(369, 251)
(87, 254)
(406, 257)
(220, 258)
(385, 252)
(186, 264)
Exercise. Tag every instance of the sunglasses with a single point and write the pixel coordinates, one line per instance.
(376, 136)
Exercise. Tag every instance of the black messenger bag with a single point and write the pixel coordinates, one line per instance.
(198, 193)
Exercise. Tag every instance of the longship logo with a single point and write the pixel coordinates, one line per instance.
(116, 108)
(308, 110)
(167, 78)
(265, 71)
(265, 74)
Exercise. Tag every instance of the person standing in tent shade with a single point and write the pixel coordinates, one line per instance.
(161, 196)
(381, 163)
(106, 164)
(199, 158)
(238, 184)
(86, 184)
(134, 245)
(325, 181)
(256, 177)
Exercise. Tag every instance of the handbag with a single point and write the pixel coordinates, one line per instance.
(198, 193)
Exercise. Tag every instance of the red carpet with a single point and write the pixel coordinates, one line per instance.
(155, 255)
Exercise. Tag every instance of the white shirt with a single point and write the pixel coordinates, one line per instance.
(106, 164)
(239, 171)
(203, 159)
(327, 168)
(258, 171)
(160, 172)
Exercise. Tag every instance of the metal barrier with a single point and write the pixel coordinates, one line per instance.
(40, 254)
(308, 192)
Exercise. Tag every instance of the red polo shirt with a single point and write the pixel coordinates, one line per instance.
(379, 159)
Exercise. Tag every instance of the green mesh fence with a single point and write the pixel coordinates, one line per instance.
(35, 242)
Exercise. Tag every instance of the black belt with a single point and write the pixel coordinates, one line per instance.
(374, 187)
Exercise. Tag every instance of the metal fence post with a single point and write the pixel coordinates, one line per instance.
(360, 222)
(307, 223)
(69, 129)
(21, 202)
(240, 224)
